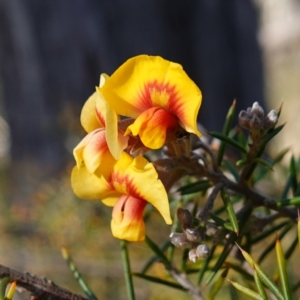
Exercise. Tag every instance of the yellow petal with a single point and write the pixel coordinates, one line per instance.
(127, 219)
(138, 178)
(91, 187)
(116, 141)
(94, 152)
(88, 118)
(146, 81)
(152, 126)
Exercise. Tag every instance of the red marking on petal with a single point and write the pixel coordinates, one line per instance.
(100, 117)
(123, 183)
(128, 209)
(145, 96)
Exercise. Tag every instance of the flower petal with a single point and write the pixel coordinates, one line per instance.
(127, 219)
(92, 150)
(146, 81)
(88, 118)
(152, 126)
(138, 178)
(91, 187)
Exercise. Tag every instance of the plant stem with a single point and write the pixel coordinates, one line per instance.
(127, 271)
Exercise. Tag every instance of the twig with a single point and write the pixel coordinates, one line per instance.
(41, 288)
(182, 279)
(205, 212)
(210, 153)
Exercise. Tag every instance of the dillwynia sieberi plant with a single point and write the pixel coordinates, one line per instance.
(150, 103)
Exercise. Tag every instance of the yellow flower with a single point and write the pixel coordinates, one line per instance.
(158, 94)
(130, 185)
(93, 150)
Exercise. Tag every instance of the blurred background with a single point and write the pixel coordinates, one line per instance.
(51, 56)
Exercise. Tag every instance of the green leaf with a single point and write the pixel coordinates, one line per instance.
(293, 175)
(264, 278)
(252, 294)
(158, 252)
(282, 272)
(221, 222)
(239, 269)
(3, 284)
(217, 285)
(270, 135)
(232, 169)
(227, 140)
(230, 211)
(264, 163)
(185, 255)
(271, 245)
(286, 202)
(195, 187)
(276, 160)
(225, 131)
(267, 232)
(260, 287)
(82, 283)
(153, 259)
(291, 248)
(221, 259)
(298, 229)
(160, 281)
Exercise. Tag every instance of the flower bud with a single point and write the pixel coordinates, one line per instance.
(185, 218)
(193, 234)
(203, 251)
(255, 123)
(257, 110)
(193, 255)
(179, 239)
(271, 119)
(244, 119)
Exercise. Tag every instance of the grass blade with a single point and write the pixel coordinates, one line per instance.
(260, 287)
(286, 202)
(225, 131)
(159, 281)
(217, 285)
(264, 278)
(3, 284)
(77, 275)
(230, 211)
(227, 140)
(268, 232)
(271, 246)
(153, 259)
(252, 294)
(293, 175)
(221, 259)
(282, 271)
(298, 229)
(158, 252)
(195, 187)
(221, 222)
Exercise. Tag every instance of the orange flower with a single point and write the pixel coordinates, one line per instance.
(158, 94)
(129, 186)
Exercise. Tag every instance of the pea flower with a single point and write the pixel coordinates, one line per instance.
(158, 95)
(129, 186)
(93, 150)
